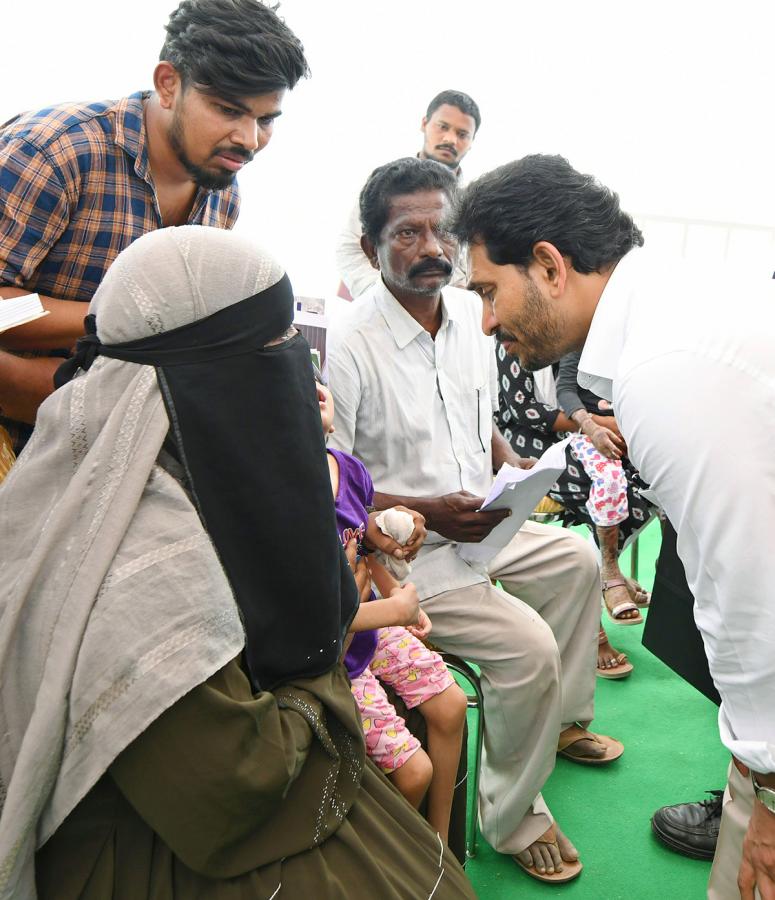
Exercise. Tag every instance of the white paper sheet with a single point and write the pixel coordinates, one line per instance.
(519, 490)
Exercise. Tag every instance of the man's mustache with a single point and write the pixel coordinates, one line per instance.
(430, 265)
(247, 155)
(448, 147)
(503, 336)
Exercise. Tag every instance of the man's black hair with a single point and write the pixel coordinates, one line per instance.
(235, 48)
(543, 198)
(456, 98)
(403, 176)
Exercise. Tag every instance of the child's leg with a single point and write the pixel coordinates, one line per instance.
(607, 501)
(607, 506)
(389, 743)
(421, 679)
(413, 777)
(445, 716)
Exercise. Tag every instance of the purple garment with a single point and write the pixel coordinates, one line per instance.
(355, 493)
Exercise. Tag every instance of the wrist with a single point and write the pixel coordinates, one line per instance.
(582, 420)
(427, 509)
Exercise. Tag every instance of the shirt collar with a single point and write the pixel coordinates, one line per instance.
(130, 129)
(403, 327)
(603, 347)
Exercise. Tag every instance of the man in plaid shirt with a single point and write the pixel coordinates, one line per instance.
(80, 182)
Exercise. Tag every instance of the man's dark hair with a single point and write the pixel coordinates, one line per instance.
(237, 48)
(456, 98)
(403, 176)
(543, 198)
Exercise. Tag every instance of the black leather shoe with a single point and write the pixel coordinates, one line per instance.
(690, 828)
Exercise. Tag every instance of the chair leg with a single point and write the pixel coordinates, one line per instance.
(473, 823)
(461, 667)
(634, 558)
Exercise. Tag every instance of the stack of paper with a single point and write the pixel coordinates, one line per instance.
(519, 490)
(19, 310)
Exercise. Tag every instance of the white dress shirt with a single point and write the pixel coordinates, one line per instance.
(688, 358)
(416, 411)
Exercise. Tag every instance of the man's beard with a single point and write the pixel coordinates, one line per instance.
(208, 179)
(542, 342)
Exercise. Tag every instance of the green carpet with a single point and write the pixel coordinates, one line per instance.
(672, 754)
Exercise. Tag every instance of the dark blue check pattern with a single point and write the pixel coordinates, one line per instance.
(76, 189)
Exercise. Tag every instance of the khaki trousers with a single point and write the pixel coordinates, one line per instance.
(739, 799)
(536, 645)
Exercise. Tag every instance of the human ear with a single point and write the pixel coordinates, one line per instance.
(370, 250)
(166, 82)
(549, 267)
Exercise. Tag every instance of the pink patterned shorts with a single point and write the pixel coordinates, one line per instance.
(607, 503)
(416, 674)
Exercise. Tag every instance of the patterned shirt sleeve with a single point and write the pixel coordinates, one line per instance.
(34, 211)
(518, 404)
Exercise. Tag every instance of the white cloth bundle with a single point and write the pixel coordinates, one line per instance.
(398, 525)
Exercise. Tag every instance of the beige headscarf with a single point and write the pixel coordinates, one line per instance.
(113, 604)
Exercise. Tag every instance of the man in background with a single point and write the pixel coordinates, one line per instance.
(449, 127)
(80, 182)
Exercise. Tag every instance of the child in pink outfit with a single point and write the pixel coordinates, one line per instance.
(386, 649)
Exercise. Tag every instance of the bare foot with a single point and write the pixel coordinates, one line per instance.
(613, 597)
(548, 853)
(638, 594)
(607, 657)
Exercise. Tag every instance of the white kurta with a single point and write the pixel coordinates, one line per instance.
(688, 358)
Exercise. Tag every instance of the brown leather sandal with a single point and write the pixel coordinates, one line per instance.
(570, 870)
(574, 734)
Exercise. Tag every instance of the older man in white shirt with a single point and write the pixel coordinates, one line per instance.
(675, 351)
(414, 383)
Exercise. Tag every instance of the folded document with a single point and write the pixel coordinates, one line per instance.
(519, 490)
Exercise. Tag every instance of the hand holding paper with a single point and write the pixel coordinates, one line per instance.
(518, 490)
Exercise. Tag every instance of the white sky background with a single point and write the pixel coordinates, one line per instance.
(669, 103)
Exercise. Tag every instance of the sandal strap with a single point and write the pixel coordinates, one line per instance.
(576, 733)
(624, 606)
(614, 582)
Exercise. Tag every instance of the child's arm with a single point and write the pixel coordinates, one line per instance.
(402, 608)
(398, 605)
(384, 581)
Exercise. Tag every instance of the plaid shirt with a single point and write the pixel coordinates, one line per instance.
(75, 190)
